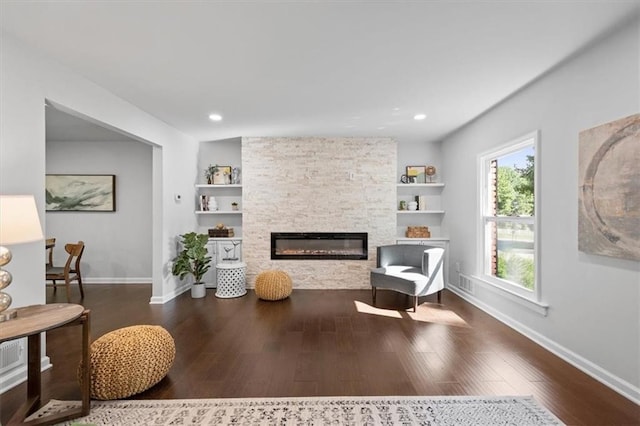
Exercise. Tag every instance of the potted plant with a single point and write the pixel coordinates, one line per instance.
(193, 260)
(234, 206)
(209, 172)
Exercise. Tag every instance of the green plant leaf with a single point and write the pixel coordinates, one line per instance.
(193, 259)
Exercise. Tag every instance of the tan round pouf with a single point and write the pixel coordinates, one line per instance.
(273, 285)
(129, 360)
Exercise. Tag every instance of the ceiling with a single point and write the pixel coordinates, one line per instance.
(321, 68)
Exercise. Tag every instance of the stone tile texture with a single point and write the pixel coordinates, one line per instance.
(303, 184)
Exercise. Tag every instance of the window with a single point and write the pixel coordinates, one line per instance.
(508, 217)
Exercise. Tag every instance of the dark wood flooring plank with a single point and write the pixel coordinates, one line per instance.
(332, 343)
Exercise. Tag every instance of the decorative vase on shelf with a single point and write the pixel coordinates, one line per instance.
(235, 176)
(212, 205)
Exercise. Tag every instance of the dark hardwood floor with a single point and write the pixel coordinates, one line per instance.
(328, 342)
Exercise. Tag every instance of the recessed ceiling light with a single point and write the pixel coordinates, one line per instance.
(215, 117)
(381, 128)
(420, 116)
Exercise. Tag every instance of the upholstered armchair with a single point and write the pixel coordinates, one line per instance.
(415, 270)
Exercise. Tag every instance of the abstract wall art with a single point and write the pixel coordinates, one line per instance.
(93, 193)
(609, 189)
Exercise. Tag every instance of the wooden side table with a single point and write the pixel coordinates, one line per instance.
(30, 322)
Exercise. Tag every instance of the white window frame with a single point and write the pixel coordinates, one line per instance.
(483, 243)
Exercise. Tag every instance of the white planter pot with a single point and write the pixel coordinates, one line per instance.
(198, 290)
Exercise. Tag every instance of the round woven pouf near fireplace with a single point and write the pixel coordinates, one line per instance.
(231, 280)
(273, 285)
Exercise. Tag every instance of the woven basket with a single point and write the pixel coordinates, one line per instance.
(273, 285)
(129, 360)
(418, 232)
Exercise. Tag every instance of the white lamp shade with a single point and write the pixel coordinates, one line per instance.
(19, 221)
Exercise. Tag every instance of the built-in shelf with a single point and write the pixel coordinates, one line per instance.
(420, 211)
(431, 217)
(205, 185)
(405, 239)
(219, 212)
(421, 185)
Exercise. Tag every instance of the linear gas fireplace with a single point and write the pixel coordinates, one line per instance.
(319, 245)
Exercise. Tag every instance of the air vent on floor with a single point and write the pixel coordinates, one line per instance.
(465, 283)
(11, 355)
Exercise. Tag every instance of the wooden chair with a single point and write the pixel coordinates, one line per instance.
(49, 245)
(71, 270)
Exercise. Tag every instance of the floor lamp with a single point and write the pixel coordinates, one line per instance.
(19, 223)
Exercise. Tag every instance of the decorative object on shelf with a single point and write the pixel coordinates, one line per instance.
(204, 203)
(193, 260)
(95, 193)
(430, 171)
(222, 176)
(19, 223)
(403, 205)
(212, 204)
(609, 189)
(404, 179)
(221, 231)
(416, 174)
(418, 232)
(209, 172)
(235, 176)
(234, 206)
(413, 205)
(422, 202)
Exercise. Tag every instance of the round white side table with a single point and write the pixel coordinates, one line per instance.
(231, 280)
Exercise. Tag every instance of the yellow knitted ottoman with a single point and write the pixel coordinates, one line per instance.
(129, 360)
(273, 285)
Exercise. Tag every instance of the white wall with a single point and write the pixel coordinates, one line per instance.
(593, 319)
(27, 79)
(117, 244)
(417, 153)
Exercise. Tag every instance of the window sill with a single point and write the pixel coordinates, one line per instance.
(533, 305)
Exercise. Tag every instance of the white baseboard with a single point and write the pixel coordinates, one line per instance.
(167, 297)
(15, 376)
(117, 280)
(624, 388)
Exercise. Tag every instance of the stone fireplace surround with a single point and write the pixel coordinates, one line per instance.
(316, 184)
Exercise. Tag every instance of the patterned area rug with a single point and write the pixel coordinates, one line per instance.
(389, 410)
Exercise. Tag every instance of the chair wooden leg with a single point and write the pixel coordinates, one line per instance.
(440, 297)
(82, 291)
(373, 294)
(415, 303)
(55, 287)
(67, 284)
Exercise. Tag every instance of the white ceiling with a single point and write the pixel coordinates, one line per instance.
(322, 68)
